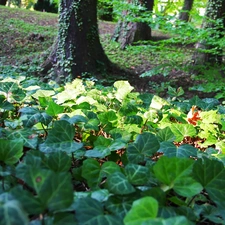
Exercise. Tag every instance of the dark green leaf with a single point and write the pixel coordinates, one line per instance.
(11, 151)
(60, 138)
(56, 193)
(119, 184)
(90, 171)
(59, 161)
(145, 145)
(211, 173)
(136, 174)
(183, 151)
(176, 173)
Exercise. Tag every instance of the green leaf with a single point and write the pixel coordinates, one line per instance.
(90, 212)
(145, 145)
(30, 203)
(137, 174)
(108, 168)
(183, 151)
(119, 205)
(108, 116)
(57, 192)
(176, 173)
(60, 138)
(177, 220)
(43, 93)
(211, 173)
(11, 212)
(123, 88)
(54, 109)
(142, 210)
(182, 130)
(90, 171)
(119, 184)
(30, 139)
(11, 151)
(165, 135)
(59, 162)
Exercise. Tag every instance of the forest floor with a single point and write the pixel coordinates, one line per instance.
(24, 32)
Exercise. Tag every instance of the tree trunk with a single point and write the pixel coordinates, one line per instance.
(185, 12)
(77, 49)
(127, 32)
(215, 10)
(3, 2)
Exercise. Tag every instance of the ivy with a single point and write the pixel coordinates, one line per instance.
(90, 154)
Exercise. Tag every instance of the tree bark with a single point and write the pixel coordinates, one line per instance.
(185, 12)
(78, 49)
(126, 32)
(3, 2)
(215, 10)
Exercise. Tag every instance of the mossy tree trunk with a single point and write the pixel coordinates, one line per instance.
(128, 32)
(208, 51)
(78, 49)
(185, 12)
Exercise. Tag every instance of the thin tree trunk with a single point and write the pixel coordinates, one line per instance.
(77, 49)
(215, 10)
(127, 32)
(185, 12)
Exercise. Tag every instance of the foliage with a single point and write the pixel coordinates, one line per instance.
(87, 154)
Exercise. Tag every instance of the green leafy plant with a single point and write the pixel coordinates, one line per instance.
(87, 154)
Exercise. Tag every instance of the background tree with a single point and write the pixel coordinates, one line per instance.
(78, 49)
(128, 32)
(185, 12)
(3, 2)
(105, 10)
(209, 51)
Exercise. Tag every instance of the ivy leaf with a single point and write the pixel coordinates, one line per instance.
(123, 88)
(89, 211)
(165, 135)
(90, 171)
(142, 210)
(210, 173)
(30, 139)
(11, 151)
(145, 145)
(11, 212)
(59, 161)
(176, 220)
(182, 130)
(119, 184)
(119, 205)
(54, 109)
(176, 173)
(56, 192)
(30, 203)
(60, 138)
(137, 174)
(183, 151)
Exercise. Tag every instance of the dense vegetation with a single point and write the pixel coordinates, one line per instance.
(97, 150)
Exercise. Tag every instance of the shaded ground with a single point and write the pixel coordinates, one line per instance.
(15, 44)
